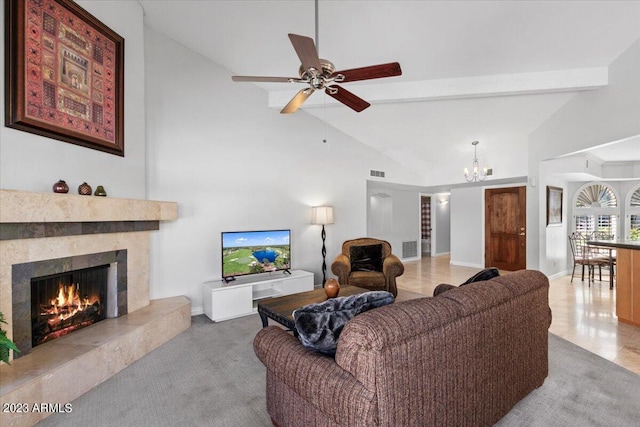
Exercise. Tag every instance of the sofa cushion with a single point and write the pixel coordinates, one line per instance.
(319, 325)
(367, 279)
(366, 257)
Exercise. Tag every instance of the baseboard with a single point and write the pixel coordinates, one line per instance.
(466, 264)
(441, 254)
(558, 275)
(196, 311)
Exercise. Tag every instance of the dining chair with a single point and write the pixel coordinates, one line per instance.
(606, 252)
(584, 255)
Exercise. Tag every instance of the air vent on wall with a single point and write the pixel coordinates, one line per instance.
(379, 174)
(409, 249)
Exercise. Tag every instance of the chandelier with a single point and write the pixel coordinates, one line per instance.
(476, 174)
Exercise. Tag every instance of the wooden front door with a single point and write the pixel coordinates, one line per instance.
(505, 228)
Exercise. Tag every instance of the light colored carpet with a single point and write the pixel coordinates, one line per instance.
(209, 376)
(582, 389)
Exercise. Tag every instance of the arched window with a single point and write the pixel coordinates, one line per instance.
(633, 210)
(596, 210)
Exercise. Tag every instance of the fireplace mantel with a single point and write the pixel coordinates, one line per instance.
(30, 207)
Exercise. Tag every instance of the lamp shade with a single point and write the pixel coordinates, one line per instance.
(322, 215)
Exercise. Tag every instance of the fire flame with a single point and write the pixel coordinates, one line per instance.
(66, 304)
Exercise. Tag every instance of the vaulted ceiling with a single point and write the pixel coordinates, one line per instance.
(491, 71)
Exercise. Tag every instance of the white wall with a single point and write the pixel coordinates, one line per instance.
(34, 163)
(556, 258)
(589, 119)
(232, 163)
(467, 236)
(442, 223)
(396, 218)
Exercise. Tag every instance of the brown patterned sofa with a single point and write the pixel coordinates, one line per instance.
(462, 358)
(380, 279)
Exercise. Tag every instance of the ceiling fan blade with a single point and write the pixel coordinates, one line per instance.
(372, 72)
(297, 101)
(306, 50)
(266, 79)
(347, 98)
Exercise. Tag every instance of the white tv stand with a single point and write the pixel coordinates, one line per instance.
(223, 301)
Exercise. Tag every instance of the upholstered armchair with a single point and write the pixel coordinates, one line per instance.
(368, 263)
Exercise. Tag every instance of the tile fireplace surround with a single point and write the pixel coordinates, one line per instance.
(36, 227)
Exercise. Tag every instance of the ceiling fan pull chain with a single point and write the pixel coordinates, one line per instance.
(324, 116)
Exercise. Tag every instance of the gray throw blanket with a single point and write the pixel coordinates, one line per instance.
(319, 325)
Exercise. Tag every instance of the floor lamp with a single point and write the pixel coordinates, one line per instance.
(321, 215)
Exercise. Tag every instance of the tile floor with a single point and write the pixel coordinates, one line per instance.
(581, 314)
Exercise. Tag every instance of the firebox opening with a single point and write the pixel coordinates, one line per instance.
(65, 302)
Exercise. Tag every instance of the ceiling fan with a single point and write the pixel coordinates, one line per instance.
(320, 74)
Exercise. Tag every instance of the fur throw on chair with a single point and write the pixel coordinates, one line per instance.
(319, 325)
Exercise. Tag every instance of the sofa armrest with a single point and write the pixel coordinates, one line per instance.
(341, 267)
(314, 377)
(442, 287)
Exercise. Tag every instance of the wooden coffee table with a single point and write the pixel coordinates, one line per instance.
(281, 309)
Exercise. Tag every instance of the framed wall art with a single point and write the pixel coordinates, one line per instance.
(64, 74)
(554, 205)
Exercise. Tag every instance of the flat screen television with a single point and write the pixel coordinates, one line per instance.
(254, 252)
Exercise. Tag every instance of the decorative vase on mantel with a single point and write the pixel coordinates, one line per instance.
(100, 191)
(332, 287)
(60, 187)
(84, 189)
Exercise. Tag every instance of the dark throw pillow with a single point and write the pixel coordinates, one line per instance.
(486, 274)
(319, 325)
(366, 258)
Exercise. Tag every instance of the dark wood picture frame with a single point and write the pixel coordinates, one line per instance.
(64, 74)
(554, 205)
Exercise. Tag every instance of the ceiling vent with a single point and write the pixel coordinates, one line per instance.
(378, 174)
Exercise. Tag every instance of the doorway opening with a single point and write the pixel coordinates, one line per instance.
(425, 225)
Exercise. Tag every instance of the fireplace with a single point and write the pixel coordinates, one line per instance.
(97, 283)
(65, 302)
(43, 235)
